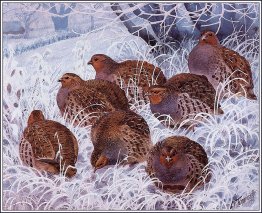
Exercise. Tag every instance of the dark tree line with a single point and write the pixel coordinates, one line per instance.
(171, 22)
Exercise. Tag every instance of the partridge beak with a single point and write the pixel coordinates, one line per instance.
(168, 159)
(60, 80)
(90, 62)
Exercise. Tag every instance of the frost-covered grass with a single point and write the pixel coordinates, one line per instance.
(231, 140)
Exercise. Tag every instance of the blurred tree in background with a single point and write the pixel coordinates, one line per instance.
(169, 22)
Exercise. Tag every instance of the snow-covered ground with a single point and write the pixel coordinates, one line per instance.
(231, 140)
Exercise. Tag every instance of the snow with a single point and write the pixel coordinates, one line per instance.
(231, 140)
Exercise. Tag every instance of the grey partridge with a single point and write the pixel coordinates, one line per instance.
(219, 64)
(179, 164)
(132, 75)
(84, 102)
(182, 97)
(48, 145)
(120, 136)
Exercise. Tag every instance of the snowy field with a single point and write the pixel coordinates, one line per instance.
(231, 140)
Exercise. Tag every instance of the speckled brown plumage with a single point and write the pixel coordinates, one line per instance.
(219, 63)
(178, 163)
(182, 97)
(132, 75)
(119, 136)
(85, 101)
(46, 143)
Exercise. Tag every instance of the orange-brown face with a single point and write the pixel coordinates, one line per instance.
(98, 61)
(156, 94)
(209, 37)
(36, 115)
(168, 156)
(68, 80)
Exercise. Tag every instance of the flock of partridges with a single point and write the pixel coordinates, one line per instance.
(118, 134)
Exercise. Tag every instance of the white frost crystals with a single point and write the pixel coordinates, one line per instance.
(231, 141)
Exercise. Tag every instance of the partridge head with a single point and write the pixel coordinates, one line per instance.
(209, 37)
(168, 156)
(36, 115)
(156, 94)
(70, 80)
(101, 62)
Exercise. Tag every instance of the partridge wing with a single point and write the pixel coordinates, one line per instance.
(40, 145)
(26, 152)
(135, 132)
(86, 105)
(189, 106)
(238, 64)
(154, 151)
(63, 141)
(195, 87)
(144, 73)
(136, 123)
(196, 150)
(111, 90)
(196, 172)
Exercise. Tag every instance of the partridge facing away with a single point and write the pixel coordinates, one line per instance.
(219, 63)
(178, 163)
(120, 136)
(132, 75)
(46, 143)
(182, 97)
(85, 101)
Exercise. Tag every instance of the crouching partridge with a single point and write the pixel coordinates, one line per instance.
(120, 136)
(83, 102)
(179, 164)
(48, 145)
(219, 64)
(182, 97)
(132, 75)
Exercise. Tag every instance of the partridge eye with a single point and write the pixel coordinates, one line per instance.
(66, 77)
(96, 59)
(210, 34)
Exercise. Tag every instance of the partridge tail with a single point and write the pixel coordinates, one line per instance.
(48, 165)
(251, 95)
(49, 161)
(53, 163)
